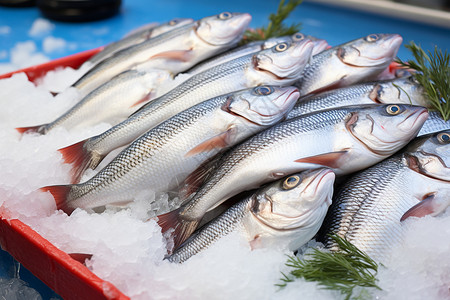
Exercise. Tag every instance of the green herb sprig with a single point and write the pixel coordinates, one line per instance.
(344, 271)
(433, 73)
(275, 27)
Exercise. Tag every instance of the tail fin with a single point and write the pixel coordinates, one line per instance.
(182, 228)
(22, 130)
(60, 194)
(81, 158)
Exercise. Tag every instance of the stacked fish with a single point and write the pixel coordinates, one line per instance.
(284, 116)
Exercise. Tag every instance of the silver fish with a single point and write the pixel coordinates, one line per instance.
(356, 61)
(175, 51)
(434, 123)
(165, 155)
(284, 214)
(345, 139)
(112, 102)
(401, 90)
(136, 37)
(279, 65)
(249, 48)
(369, 208)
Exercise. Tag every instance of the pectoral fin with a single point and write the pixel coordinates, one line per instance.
(330, 159)
(217, 142)
(181, 55)
(144, 99)
(427, 206)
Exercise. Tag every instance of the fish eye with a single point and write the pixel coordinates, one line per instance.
(291, 182)
(443, 138)
(298, 37)
(372, 38)
(264, 90)
(281, 47)
(393, 109)
(173, 22)
(224, 16)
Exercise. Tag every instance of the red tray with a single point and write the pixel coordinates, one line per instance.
(66, 276)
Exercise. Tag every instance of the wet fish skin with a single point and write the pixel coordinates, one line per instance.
(345, 139)
(136, 37)
(283, 214)
(400, 90)
(162, 157)
(434, 123)
(355, 61)
(244, 72)
(174, 51)
(369, 208)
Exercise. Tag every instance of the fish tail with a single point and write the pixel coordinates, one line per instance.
(23, 130)
(182, 228)
(60, 193)
(80, 158)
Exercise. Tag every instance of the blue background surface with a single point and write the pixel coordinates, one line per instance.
(334, 24)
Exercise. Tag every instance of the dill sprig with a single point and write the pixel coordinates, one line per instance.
(275, 28)
(346, 270)
(433, 73)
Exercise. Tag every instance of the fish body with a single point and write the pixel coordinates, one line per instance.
(174, 51)
(164, 156)
(369, 208)
(401, 90)
(284, 214)
(345, 139)
(356, 61)
(278, 65)
(434, 123)
(136, 37)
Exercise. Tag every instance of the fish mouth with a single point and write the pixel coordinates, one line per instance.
(234, 32)
(327, 175)
(414, 164)
(422, 113)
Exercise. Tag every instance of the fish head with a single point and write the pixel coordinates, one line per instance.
(319, 44)
(263, 105)
(374, 50)
(430, 155)
(170, 25)
(285, 61)
(295, 201)
(269, 43)
(400, 90)
(384, 129)
(223, 29)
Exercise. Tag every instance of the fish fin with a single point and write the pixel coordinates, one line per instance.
(23, 130)
(335, 85)
(81, 159)
(256, 242)
(144, 99)
(182, 228)
(194, 180)
(330, 159)
(425, 207)
(60, 194)
(181, 55)
(218, 141)
(80, 257)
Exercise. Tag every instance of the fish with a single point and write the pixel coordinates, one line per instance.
(246, 49)
(136, 37)
(400, 90)
(112, 102)
(344, 139)
(175, 51)
(279, 65)
(284, 214)
(165, 155)
(346, 64)
(371, 208)
(434, 123)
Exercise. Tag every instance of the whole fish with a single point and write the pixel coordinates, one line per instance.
(136, 37)
(345, 139)
(279, 65)
(356, 61)
(112, 102)
(284, 214)
(175, 51)
(401, 90)
(369, 208)
(253, 47)
(166, 154)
